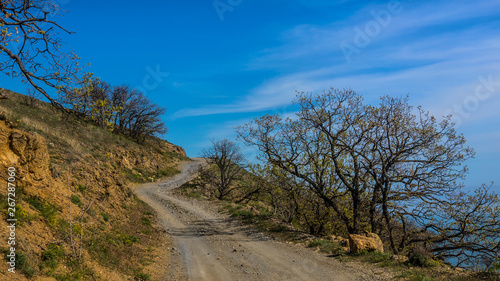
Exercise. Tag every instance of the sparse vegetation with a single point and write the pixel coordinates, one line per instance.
(23, 265)
(35, 203)
(325, 246)
(74, 147)
(146, 221)
(338, 168)
(75, 199)
(49, 213)
(143, 277)
(420, 267)
(131, 238)
(52, 256)
(105, 216)
(81, 188)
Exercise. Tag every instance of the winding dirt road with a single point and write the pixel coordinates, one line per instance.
(209, 246)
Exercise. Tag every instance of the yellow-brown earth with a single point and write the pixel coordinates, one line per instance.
(75, 211)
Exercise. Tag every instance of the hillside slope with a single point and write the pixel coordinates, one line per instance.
(76, 215)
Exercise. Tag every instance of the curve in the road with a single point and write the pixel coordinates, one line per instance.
(209, 246)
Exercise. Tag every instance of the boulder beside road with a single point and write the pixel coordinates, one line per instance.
(367, 241)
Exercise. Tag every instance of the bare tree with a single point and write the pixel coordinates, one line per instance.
(30, 46)
(411, 158)
(31, 98)
(118, 108)
(227, 162)
(464, 227)
(378, 159)
(143, 118)
(120, 97)
(78, 98)
(282, 192)
(102, 109)
(318, 149)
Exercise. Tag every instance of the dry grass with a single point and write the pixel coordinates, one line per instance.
(92, 164)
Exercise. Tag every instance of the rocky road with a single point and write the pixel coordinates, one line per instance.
(208, 245)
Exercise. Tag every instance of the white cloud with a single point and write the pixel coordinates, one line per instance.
(437, 68)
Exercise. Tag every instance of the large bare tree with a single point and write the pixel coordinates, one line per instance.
(389, 168)
(319, 147)
(31, 46)
(227, 163)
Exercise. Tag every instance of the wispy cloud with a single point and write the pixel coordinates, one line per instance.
(434, 51)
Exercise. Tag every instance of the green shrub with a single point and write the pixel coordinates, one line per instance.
(52, 255)
(49, 212)
(105, 216)
(75, 199)
(35, 203)
(376, 257)
(91, 212)
(23, 265)
(146, 221)
(21, 214)
(244, 214)
(419, 256)
(496, 266)
(325, 246)
(123, 239)
(81, 188)
(142, 277)
(420, 277)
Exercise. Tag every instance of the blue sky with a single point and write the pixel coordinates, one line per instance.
(217, 64)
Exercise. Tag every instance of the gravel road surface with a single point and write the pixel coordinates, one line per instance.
(208, 245)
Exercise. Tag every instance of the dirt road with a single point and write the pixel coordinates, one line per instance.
(209, 246)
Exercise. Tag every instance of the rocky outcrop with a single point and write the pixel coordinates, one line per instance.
(3, 94)
(7, 156)
(399, 258)
(344, 243)
(32, 151)
(339, 239)
(175, 148)
(366, 241)
(27, 152)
